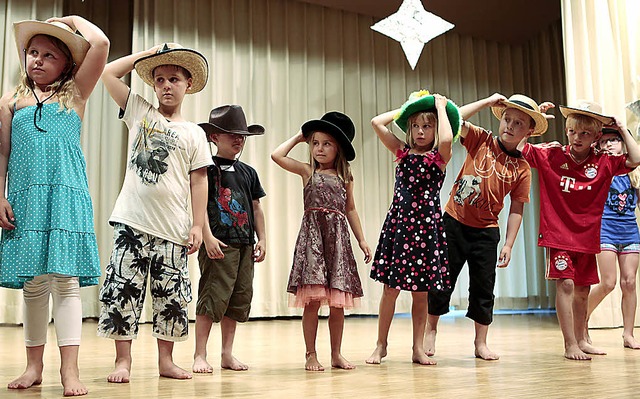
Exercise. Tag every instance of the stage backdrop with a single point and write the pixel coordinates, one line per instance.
(287, 62)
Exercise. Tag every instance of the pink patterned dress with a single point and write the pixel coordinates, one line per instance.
(324, 268)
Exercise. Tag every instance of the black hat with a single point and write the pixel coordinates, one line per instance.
(339, 126)
(230, 119)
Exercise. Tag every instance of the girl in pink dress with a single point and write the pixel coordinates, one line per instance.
(324, 269)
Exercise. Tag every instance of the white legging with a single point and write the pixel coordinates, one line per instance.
(67, 309)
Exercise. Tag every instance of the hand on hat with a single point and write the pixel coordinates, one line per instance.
(68, 20)
(441, 101)
(496, 99)
(544, 107)
(617, 124)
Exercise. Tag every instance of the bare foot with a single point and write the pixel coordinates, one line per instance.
(72, 384)
(200, 365)
(378, 354)
(590, 349)
(630, 342)
(29, 378)
(421, 358)
(121, 372)
(170, 370)
(586, 336)
(231, 363)
(430, 342)
(340, 362)
(575, 353)
(483, 352)
(312, 363)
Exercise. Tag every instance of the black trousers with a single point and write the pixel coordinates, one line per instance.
(478, 248)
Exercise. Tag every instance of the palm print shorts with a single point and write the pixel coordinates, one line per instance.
(136, 254)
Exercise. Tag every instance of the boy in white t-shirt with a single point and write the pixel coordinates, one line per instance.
(153, 230)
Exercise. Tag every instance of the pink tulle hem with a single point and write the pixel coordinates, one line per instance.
(325, 295)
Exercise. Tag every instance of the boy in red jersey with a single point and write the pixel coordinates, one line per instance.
(574, 182)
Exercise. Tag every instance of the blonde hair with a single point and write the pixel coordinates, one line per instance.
(583, 122)
(341, 164)
(429, 117)
(64, 87)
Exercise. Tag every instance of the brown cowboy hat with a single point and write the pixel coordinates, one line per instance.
(339, 126)
(175, 54)
(25, 30)
(230, 119)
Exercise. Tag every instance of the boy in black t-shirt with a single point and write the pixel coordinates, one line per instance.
(235, 217)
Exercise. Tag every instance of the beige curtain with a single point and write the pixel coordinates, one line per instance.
(601, 42)
(287, 62)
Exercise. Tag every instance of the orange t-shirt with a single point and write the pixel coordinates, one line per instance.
(489, 173)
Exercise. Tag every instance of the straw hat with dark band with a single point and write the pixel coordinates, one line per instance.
(25, 30)
(175, 54)
(587, 108)
(526, 105)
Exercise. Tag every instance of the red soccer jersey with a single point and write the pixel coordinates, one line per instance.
(572, 195)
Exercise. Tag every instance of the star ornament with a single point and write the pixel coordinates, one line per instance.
(412, 26)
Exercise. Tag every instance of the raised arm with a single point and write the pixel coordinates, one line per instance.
(280, 156)
(390, 140)
(468, 110)
(445, 133)
(89, 72)
(633, 150)
(116, 70)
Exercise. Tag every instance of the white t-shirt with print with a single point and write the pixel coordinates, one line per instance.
(155, 194)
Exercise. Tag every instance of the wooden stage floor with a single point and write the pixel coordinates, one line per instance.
(530, 345)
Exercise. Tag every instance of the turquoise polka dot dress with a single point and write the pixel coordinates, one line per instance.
(49, 194)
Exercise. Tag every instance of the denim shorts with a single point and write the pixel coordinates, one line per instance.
(621, 248)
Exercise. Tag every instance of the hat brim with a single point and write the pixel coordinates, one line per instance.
(566, 111)
(25, 30)
(539, 119)
(319, 125)
(191, 60)
(211, 128)
(428, 104)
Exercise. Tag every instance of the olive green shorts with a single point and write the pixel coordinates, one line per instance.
(226, 285)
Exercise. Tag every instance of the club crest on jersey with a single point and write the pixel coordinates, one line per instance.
(591, 171)
(561, 263)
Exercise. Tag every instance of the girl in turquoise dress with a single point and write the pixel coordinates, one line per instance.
(48, 245)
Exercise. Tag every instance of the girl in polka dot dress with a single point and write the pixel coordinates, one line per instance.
(324, 269)
(412, 250)
(48, 244)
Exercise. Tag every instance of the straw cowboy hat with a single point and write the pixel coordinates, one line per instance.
(339, 126)
(230, 119)
(588, 108)
(422, 101)
(526, 105)
(25, 30)
(175, 54)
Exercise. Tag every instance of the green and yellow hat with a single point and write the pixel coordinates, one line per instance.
(422, 101)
